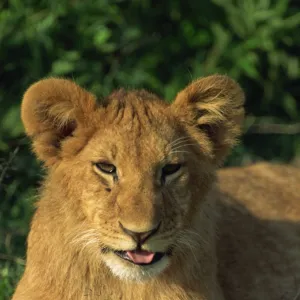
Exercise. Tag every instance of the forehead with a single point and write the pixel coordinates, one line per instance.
(135, 123)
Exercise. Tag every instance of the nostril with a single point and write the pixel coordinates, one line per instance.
(140, 237)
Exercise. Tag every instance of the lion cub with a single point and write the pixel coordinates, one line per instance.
(133, 206)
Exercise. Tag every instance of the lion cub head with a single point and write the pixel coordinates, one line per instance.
(128, 175)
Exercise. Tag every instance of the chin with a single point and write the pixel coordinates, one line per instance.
(125, 269)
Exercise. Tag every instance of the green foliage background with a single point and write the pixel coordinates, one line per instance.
(157, 45)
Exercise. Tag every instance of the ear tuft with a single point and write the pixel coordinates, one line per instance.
(215, 106)
(51, 110)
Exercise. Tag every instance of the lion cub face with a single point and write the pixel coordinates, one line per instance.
(136, 167)
(136, 195)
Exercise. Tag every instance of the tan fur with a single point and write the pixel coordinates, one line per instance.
(234, 234)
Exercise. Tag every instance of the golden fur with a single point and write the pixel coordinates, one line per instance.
(229, 234)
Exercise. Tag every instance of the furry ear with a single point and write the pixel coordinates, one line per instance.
(51, 110)
(213, 108)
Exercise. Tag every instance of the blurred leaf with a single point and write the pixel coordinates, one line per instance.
(290, 106)
(61, 67)
(11, 122)
(248, 67)
(102, 36)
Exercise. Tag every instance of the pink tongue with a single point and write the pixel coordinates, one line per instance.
(141, 256)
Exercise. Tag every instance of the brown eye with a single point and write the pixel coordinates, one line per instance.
(170, 169)
(106, 168)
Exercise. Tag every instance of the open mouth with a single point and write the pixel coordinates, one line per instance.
(141, 257)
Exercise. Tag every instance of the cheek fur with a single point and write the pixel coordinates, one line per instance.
(96, 201)
(180, 194)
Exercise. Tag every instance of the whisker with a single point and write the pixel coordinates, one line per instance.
(173, 152)
(187, 244)
(184, 145)
(196, 235)
(181, 139)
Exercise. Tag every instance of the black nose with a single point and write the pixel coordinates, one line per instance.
(140, 237)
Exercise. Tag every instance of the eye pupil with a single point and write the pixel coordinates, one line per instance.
(170, 169)
(106, 168)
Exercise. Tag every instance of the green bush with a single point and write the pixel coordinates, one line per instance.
(160, 46)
